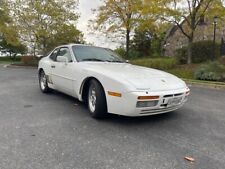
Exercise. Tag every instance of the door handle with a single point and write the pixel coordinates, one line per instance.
(52, 66)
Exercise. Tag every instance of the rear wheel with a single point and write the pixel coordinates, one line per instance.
(96, 100)
(43, 82)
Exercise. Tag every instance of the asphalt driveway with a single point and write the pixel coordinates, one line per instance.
(55, 131)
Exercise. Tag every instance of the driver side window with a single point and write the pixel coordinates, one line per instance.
(66, 53)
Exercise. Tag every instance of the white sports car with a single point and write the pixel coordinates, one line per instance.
(108, 84)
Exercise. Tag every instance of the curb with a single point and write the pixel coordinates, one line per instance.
(206, 84)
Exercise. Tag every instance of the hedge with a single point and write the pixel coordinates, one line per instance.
(9, 59)
(202, 51)
(29, 60)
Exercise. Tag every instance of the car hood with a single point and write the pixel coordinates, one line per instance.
(141, 78)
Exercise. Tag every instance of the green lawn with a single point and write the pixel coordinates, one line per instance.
(157, 63)
(184, 71)
(169, 65)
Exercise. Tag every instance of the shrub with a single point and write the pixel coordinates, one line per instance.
(181, 55)
(121, 52)
(157, 63)
(201, 51)
(133, 54)
(213, 71)
(29, 60)
(9, 59)
(222, 60)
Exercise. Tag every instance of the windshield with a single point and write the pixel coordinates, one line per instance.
(97, 54)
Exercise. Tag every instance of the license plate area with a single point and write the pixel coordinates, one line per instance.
(174, 101)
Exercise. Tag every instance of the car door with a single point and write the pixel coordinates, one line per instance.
(63, 72)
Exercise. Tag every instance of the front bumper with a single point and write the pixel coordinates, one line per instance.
(127, 104)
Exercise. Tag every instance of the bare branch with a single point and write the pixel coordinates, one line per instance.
(178, 25)
(189, 7)
(203, 13)
(182, 30)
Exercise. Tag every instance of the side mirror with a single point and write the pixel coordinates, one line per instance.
(62, 59)
(40, 56)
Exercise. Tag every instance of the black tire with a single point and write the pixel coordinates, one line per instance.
(98, 106)
(43, 84)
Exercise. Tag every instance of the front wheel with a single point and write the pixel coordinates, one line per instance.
(96, 100)
(43, 82)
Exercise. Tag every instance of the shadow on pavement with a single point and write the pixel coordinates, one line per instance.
(112, 118)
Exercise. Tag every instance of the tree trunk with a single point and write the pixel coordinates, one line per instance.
(14, 57)
(189, 51)
(127, 43)
(34, 52)
(44, 47)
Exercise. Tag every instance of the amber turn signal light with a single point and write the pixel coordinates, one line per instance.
(147, 97)
(114, 94)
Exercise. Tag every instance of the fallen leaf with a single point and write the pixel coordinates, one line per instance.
(189, 159)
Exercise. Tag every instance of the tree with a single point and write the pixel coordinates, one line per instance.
(149, 36)
(41, 22)
(142, 41)
(185, 14)
(4, 17)
(12, 49)
(118, 15)
(65, 34)
(9, 39)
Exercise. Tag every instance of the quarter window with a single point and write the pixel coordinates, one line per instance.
(54, 54)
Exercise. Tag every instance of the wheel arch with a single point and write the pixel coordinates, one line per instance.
(85, 85)
(39, 70)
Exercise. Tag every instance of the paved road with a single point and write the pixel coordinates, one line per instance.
(54, 131)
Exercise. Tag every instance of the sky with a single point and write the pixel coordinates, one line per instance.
(85, 9)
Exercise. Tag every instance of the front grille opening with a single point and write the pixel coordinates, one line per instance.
(169, 95)
(158, 110)
(178, 94)
(142, 104)
(173, 95)
(163, 105)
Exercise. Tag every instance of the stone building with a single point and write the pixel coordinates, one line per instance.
(175, 39)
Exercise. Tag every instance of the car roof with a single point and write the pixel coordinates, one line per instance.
(75, 44)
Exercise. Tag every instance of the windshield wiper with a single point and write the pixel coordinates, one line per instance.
(116, 61)
(99, 60)
(93, 59)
